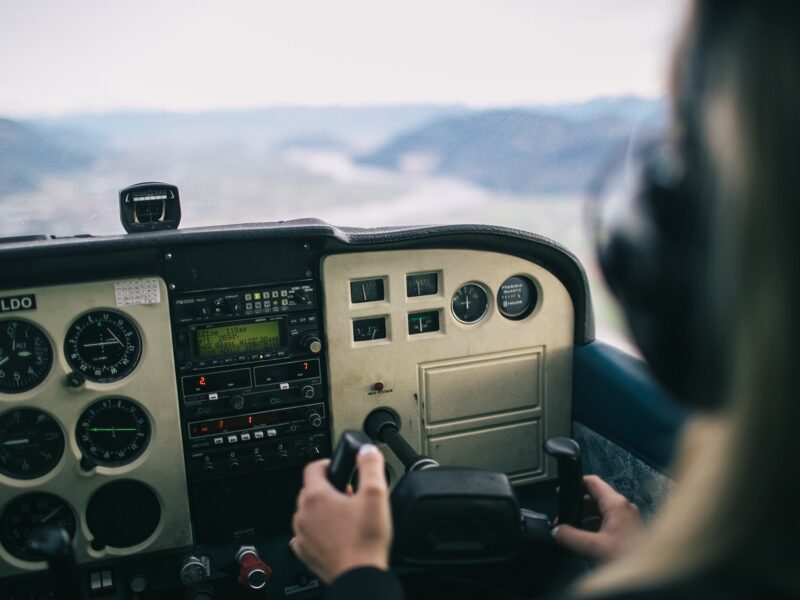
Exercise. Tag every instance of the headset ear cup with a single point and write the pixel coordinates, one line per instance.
(648, 257)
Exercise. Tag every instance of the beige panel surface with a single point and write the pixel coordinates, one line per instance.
(396, 362)
(151, 384)
(520, 442)
(511, 381)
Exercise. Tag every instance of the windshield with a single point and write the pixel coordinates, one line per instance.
(358, 112)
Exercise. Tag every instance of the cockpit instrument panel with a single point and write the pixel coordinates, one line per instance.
(101, 423)
(161, 400)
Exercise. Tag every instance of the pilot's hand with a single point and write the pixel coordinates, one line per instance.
(336, 532)
(620, 525)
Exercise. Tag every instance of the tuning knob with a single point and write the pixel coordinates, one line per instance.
(75, 379)
(194, 569)
(314, 418)
(237, 402)
(312, 343)
(308, 391)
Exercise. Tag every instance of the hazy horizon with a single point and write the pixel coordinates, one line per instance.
(190, 56)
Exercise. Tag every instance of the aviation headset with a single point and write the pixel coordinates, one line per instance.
(657, 253)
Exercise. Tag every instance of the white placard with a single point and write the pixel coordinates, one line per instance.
(137, 291)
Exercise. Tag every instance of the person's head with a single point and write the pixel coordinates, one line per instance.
(736, 122)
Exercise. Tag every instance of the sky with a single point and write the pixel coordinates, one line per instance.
(194, 55)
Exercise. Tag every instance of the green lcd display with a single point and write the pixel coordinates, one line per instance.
(239, 338)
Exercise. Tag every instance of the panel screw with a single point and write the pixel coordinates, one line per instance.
(168, 256)
(171, 287)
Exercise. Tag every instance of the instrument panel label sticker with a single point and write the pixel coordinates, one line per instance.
(134, 292)
(296, 589)
(17, 303)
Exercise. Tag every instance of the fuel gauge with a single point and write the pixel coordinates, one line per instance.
(366, 290)
(365, 330)
(422, 284)
(423, 322)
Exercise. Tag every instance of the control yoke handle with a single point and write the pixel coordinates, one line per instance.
(53, 543)
(343, 461)
(567, 453)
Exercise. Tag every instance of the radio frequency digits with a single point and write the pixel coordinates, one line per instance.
(242, 337)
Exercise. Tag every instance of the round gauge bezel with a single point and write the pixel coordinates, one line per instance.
(486, 309)
(132, 497)
(41, 379)
(71, 527)
(86, 442)
(50, 465)
(88, 373)
(534, 292)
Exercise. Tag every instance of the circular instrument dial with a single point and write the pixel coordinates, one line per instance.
(517, 297)
(25, 514)
(25, 356)
(103, 345)
(122, 514)
(31, 443)
(470, 303)
(113, 432)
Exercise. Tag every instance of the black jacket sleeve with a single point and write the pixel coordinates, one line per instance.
(365, 583)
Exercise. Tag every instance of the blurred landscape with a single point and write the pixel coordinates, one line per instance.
(525, 167)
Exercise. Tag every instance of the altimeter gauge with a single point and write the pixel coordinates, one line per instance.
(103, 346)
(113, 432)
(25, 356)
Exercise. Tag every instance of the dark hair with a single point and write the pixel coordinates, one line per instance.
(736, 94)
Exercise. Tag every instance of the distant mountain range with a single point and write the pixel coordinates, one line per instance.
(542, 149)
(27, 153)
(357, 126)
(545, 150)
